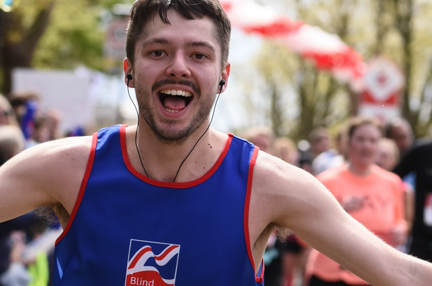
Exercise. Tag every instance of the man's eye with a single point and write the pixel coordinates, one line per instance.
(157, 53)
(199, 56)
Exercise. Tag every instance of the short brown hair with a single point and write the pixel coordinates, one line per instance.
(356, 122)
(144, 10)
(397, 122)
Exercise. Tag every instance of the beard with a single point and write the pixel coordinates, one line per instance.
(169, 135)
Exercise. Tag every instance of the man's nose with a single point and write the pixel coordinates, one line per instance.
(178, 66)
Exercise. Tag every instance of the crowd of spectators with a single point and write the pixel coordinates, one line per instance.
(380, 175)
(26, 242)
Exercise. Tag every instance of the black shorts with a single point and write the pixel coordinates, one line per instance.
(421, 247)
(292, 245)
(315, 281)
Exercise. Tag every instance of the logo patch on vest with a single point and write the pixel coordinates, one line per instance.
(152, 263)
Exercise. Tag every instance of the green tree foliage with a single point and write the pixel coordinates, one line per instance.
(398, 30)
(20, 34)
(53, 34)
(74, 37)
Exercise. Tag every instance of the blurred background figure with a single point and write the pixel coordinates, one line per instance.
(294, 254)
(20, 102)
(12, 242)
(320, 141)
(285, 149)
(25, 105)
(264, 138)
(324, 157)
(418, 160)
(305, 162)
(38, 126)
(400, 131)
(341, 147)
(7, 114)
(45, 128)
(260, 136)
(388, 154)
(387, 158)
(26, 242)
(368, 193)
(11, 142)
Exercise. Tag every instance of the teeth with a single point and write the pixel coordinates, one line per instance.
(171, 111)
(177, 92)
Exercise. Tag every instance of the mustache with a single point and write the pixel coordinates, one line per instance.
(187, 83)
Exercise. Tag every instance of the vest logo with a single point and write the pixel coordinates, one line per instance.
(152, 263)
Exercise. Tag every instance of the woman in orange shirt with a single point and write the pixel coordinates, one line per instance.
(368, 193)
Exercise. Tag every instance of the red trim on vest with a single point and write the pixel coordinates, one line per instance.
(246, 216)
(182, 185)
(82, 187)
(261, 278)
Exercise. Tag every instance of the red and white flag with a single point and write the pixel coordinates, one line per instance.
(327, 51)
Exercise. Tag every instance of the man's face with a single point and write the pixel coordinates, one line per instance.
(363, 145)
(386, 157)
(401, 134)
(176, 75)
(321, 145)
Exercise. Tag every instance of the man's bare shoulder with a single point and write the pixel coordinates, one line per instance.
(58, 161)
(65, 152)
(284, 193)
(272, 171)
(46, 174)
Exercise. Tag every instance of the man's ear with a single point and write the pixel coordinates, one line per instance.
(127, 68)
(225, 75)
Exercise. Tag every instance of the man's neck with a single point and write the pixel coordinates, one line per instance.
(164, 161)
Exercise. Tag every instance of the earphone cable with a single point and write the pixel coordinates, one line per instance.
(196, 143)
(136, 131)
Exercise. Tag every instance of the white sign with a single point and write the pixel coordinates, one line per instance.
(382, 83)
(383, 79)
(63, 91)
(115, 43)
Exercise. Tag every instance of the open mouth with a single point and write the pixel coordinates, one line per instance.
(175, 100)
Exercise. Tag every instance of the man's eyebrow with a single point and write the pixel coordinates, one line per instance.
(166, 42)
(155, 41)
(203, 44)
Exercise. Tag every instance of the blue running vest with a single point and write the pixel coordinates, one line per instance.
(127, 229)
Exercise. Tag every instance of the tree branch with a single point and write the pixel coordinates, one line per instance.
(35, 32)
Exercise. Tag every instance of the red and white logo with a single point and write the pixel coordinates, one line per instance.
(152, 263)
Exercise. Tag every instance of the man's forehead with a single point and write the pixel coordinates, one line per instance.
(176, 19)
(195, 32)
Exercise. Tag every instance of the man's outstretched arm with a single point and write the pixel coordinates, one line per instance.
(293, 199)
(46, 174)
